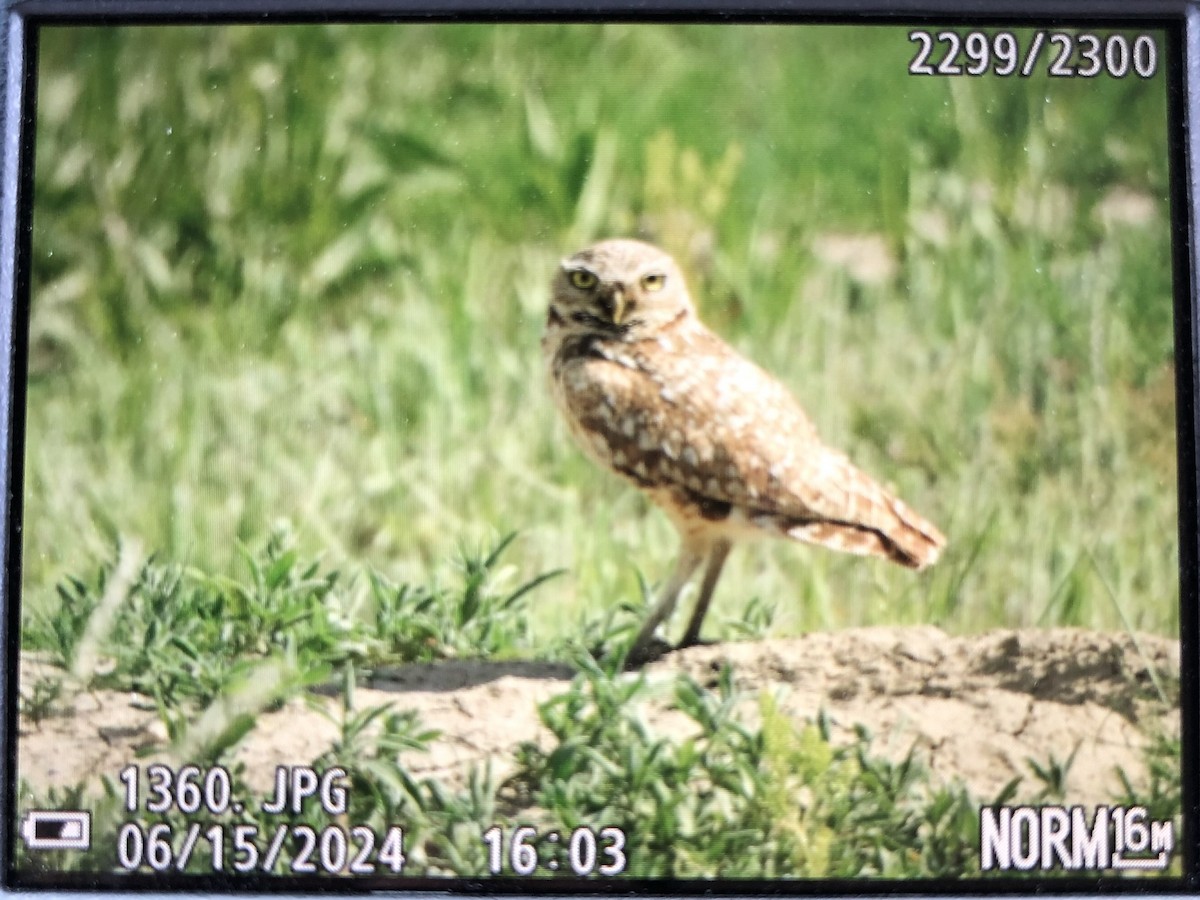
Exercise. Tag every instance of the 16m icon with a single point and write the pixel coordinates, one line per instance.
(1061, 837)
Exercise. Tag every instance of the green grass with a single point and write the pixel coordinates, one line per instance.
(185, 637)
(266, 289)
(288, 288)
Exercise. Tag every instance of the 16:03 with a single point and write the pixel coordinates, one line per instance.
(588, 851)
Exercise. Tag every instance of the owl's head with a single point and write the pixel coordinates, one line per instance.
(621, 289)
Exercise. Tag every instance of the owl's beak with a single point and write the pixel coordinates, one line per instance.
(617, 304)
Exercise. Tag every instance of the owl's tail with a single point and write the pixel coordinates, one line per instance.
(913, 541)
(891, 530)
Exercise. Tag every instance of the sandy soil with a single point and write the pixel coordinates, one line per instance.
(976, 708)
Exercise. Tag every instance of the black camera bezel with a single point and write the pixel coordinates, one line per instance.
(1180, 22)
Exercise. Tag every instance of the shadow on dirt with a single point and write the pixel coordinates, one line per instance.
(460, 674)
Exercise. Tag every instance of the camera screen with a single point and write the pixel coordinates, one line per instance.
(575, 456)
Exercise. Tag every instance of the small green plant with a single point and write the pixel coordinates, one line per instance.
(59, 628)
(368, 744)
(41, 700)
(611, 631)
(755, 622)
(185, 634)
(722, 799)
(1163, 797)
(182, 635)
(481, 617)
(1053, 774)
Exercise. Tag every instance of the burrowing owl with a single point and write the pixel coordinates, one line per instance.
(714, 440)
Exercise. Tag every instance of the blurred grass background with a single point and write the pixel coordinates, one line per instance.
(300, 272)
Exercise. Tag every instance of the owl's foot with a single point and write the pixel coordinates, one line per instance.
(654, 649)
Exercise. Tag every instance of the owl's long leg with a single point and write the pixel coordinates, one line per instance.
(690, 556)
(716, 559)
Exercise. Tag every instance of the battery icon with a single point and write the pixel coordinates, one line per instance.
(51, 829)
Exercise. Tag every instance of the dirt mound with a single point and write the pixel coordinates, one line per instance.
(976, 708)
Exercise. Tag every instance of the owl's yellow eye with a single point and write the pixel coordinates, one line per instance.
(582, 279)
(654, 282)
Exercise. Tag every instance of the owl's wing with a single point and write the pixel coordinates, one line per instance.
(704, 420)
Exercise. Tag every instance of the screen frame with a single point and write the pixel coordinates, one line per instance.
(19, 24)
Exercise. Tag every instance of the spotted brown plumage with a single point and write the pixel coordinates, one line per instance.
(650, 393)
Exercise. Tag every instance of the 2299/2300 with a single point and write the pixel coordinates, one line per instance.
(1066, 55)
(243, 849)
